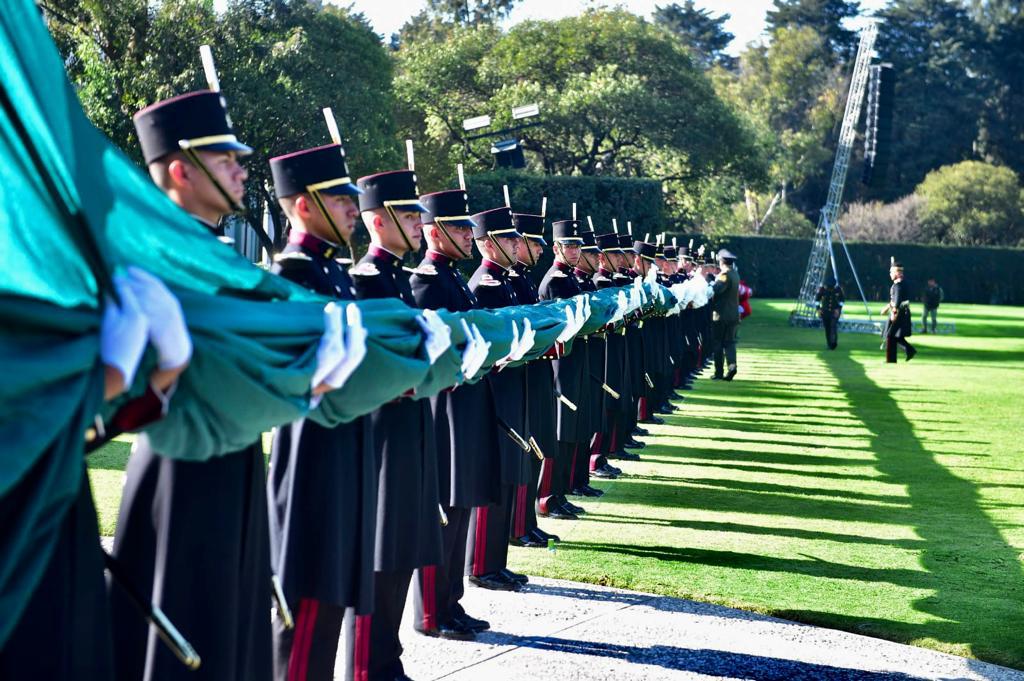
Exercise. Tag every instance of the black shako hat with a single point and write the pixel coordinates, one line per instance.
(322, 169)
(625, 242)
(531, 226)
(670, 253)
(197, 120)
(644, 250)
(395, 189)
(608, 242)
(659, 251)
(566, 232)
(590, 242)
(450, 206)
(495, 222)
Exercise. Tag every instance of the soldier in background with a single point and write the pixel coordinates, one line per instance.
(594, 346)
(901, 324)
(725, 316)
(830, 307)
(932, 298)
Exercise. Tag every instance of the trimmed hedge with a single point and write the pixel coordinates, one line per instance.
(774, 267)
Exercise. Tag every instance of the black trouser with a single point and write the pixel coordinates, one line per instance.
(579, 474)
(487, 546)
(891, 344)
(308, 651)
(724, 340)
(437, 589)
(374, 649)
(525, 513)
(831, 326)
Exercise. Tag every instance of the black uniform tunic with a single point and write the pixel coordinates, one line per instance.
(559, 283)
(613, 370)
(408, 520)
(322, 487)
(193, 537)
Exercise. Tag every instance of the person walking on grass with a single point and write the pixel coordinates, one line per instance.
(932, 297)
(725, 315)
(830, 306)
(900, 325)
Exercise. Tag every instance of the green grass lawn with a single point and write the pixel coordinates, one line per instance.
(824, 487)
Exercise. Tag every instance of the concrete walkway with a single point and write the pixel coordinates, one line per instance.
(560, 631)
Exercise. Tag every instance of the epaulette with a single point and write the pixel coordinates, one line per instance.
(722, 277)
(347, 262)
(408, 270)
(366, 269)
(426, 270)
(513, 273)
(559, 273)
(488, 280)
(293, 255)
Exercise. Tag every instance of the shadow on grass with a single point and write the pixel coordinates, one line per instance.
(774, 488)
(976, 576)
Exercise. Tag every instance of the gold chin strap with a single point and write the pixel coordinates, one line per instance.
(529, 251)
(583, 254)
(315, 194)
(193, 158)
(501, 250)
(401, 230)
(444, 230)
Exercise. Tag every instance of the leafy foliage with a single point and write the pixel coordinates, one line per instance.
(972, 204)
(696, 28)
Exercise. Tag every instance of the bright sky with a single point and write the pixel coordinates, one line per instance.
(747, 22)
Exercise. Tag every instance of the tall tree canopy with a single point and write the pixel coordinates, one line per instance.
(825, 17)
(696, 28)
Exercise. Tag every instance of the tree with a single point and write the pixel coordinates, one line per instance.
(440, 17)
(280, 61)
(703, 33)
(1001, 138)
(825, 17)
(936, 50)
(972, 204)
(617, 96)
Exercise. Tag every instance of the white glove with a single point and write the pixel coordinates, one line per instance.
(331, 350)
(476, 350)
(586, 306)
(123, 332)
(438, 337)
(621, 305)
(167, 330)
(652, 275)
(526, 340)
(568, 330)
(580, 318)
(355, 335)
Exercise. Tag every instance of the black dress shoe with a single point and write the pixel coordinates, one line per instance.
(731, 374)
(541, 535)
(633, 444)
(628, 456)
(559, 513)
(495, 581)
(640, 432)
(593, 491)
(910, 353)
(614, 470)
(455, 630)
(573, 508)
(473, 623)
(515, 576)
(656, 420)
(527, 541)
(675, 394)
(603, 473)
(717, 377)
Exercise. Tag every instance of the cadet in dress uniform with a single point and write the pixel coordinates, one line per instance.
(193, 536)
(613, 372)
(901, 323)
(660, 327)
(579, 477)
(560, 283)
(463, 420)
(408, 515)
(487, 549)
(676, 336)
(726, 315)
(634, 366)
(540, 386)
(644, 255)
(322, 486)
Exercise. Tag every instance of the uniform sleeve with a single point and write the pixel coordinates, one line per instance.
(428, 292)
(298, 271)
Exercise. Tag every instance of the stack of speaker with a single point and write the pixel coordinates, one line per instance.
(877, 136)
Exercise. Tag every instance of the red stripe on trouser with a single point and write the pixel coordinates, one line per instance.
(595, 461)
(678, 377)
(613, 446)
(521, 497)
(642, 408)
(595, 444)
(361, 652)
(546, 471)
(298, 663)
(572, 471)
(480, 547)
(428, 574)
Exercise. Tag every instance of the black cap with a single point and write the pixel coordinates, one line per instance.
(322, 169)
(395, 189)
(566, 232)
(531, 226)
(608, 242)
(495, 222)
(625, 242)
(451, 206)
(670, 252)
(197, 120)
(590, 242)
(659, 251)
(644, 250)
